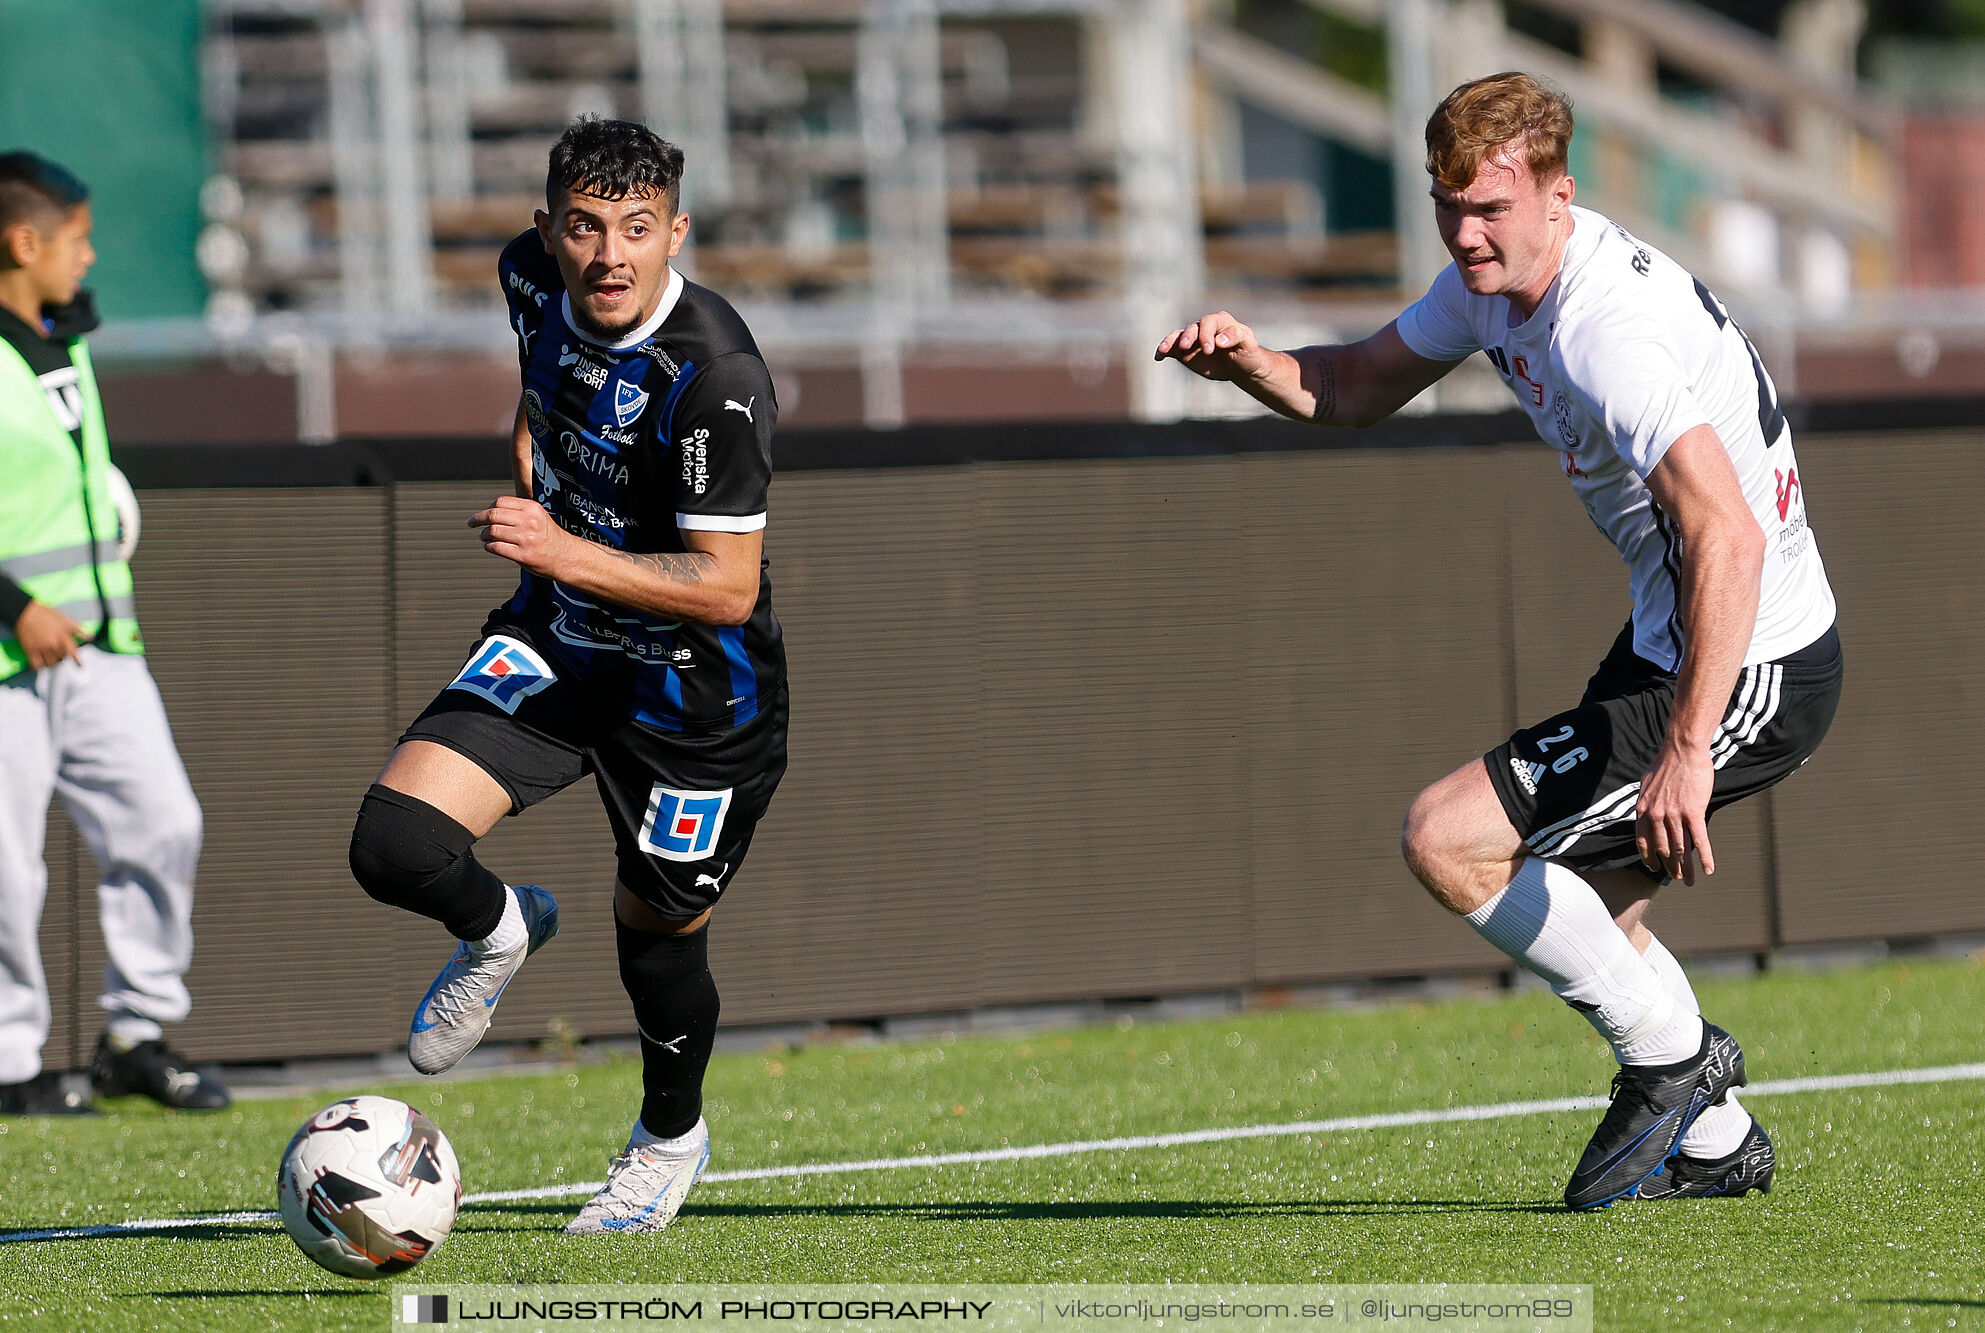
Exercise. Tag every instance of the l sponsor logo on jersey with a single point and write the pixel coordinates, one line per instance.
(585, 624)
(534, 416)
(545, 475)
(1522, 370)
(628, 400)
(684, 825)
(1788, 488)
(592, 511)
(584, 368)
(696, 460)
(1642, 261)
(506, 672)
(597, 461)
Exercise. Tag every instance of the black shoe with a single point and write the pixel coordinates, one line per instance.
(1749, 1168)
(153, 1069)
(1653, 1106)
(42, 1095)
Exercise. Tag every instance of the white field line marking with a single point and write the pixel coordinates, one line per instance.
(1390, 1120)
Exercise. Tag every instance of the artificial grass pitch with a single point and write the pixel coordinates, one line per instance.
(1874, 1222)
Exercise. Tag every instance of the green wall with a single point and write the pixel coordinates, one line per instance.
(111, 89)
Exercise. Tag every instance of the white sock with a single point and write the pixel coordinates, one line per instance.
(1720, 1130)
(1553, 923)
(1670, 971)
(640, 1138)
(510, 933)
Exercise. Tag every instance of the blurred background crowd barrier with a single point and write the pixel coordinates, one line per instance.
(1076, 715)
(960, 210)
(1102, 689)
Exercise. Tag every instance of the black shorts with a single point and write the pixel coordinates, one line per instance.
(683, 805)
(1570, 783)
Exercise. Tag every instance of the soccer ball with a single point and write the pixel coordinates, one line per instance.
(369, 1187)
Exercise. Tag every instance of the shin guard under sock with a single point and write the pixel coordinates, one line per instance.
(675, 1007)
(1551, 921)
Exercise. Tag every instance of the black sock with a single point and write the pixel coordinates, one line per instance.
(675, 1005)
(406, 853)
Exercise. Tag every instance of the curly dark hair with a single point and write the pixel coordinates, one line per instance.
(32, 189)
(613, 159)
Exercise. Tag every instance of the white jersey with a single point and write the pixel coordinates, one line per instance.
(1627, 353)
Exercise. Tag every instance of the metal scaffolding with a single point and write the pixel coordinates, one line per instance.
(433, 115)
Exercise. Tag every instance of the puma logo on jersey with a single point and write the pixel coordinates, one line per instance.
(733, 405)
(524, 287)
(715, 881)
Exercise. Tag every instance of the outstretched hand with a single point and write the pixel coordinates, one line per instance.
(522, 531)
(1217, 347)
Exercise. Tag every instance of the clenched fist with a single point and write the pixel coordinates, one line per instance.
(521, 531)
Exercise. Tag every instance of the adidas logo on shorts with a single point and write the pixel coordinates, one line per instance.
(1526, 773)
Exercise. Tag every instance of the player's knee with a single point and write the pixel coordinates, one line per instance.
(401, 847)
(1420, 840)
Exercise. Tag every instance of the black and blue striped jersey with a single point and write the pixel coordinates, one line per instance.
(665, 431)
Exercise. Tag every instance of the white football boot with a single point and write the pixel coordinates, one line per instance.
(645, 1188)
(456, 1010)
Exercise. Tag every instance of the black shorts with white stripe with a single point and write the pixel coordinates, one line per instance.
(1570, 783)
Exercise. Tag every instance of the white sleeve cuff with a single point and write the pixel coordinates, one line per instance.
(720, 522)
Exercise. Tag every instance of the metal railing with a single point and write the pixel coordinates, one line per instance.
(401, 177)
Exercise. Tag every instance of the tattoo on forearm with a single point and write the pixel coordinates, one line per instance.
(1326, 390)
(685, 567)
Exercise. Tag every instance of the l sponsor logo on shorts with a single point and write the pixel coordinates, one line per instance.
(506, 672)
(684, 825)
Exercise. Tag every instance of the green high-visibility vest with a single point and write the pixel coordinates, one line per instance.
(58, 524)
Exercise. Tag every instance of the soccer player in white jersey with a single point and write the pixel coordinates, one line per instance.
(1725, 678)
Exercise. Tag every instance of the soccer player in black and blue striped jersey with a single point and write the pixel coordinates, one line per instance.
(640, 646)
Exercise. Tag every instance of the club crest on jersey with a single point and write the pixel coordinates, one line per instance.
(1561, 413)
(684, 825)
(628, 400)
(505, 671)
